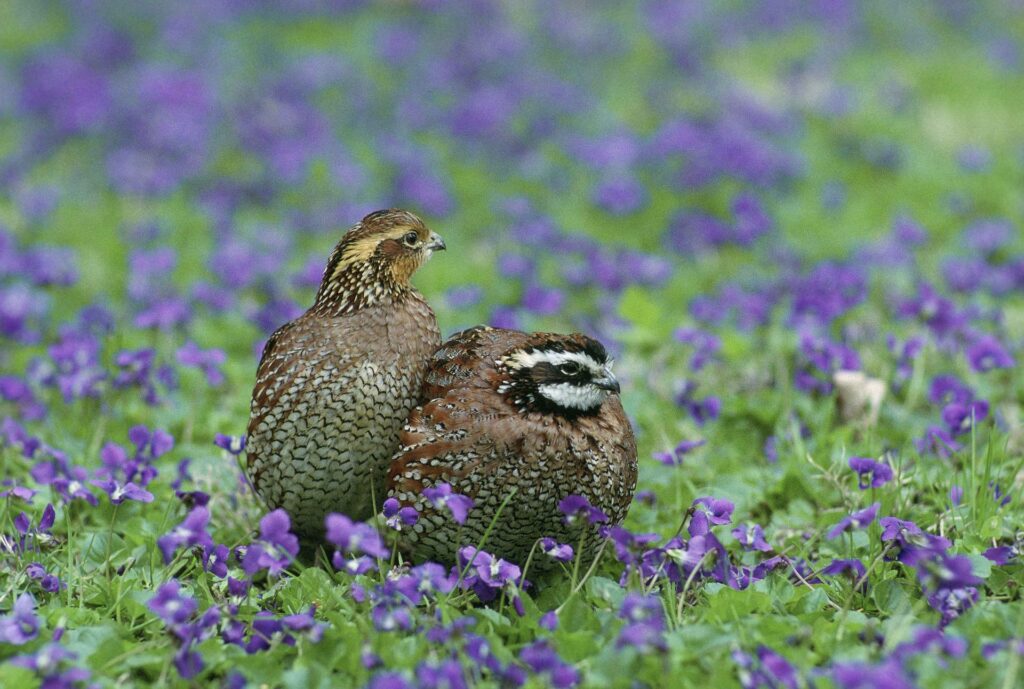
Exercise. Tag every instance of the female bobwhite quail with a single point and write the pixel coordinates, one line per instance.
(335, 385)
(504, 411)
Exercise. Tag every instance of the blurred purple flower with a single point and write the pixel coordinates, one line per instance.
(215, 560)
(208, 361)
(854, 568)
(988, 236)
(706, 346)
(950, 603)
(441, 496)
(709, 511)
(191, 532)
(1001, 555)
(234, 444)
(397, 517)
(675, 458)
(938, 441)
(516, 266)
(702, 410)
(21, 625)
(360, 542)
(487, 575)
(961, 418)
(751, 537)
(170, 605)
(541, 658)
(939, 313)
(66, 92)
(987, 353)
(818, 360)
(50, 583)
(276, 547)
(856, 520)
(645, 623)
(888, 675)
(620, 194)
(768, 670)
(164, 314)
(120, 492)
(576, 507)
(870, 474)
(464, 297)
(909, 539)
(543, 301)
(562, 552)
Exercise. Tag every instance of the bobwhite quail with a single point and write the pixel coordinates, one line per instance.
(335, 385)
(504, 411)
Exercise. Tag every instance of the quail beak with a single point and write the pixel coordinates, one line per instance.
(435, 243)
(609, 382)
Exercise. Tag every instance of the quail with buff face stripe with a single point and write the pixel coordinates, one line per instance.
(518, 422)
(335, 386)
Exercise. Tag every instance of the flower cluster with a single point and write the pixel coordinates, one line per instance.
(179, 613)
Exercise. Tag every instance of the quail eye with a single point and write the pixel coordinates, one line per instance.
(571, 369)
(411, 238)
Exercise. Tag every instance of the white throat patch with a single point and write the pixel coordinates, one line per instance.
(569, 396)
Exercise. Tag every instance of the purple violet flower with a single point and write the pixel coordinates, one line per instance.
(708, 511)
(21, 625)
(909, 539)
(50, 583)
(751, 537)
(360, 542)
(576, 507)
(870, 474)
(170, 606)
(768, 670)
(645, 623)
(208, 361)
(888, 675)
(854, 568)
(120, 492)
(191, 532)
(441, 496)
(276, 547)
(541, 658)
(397, 517)
(487, 575)
(987, 353)
(562, 552)
(234, 444)
(675, 458)
(856, 520)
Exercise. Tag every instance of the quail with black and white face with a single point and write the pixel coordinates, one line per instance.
(335, 386)
(527, 417)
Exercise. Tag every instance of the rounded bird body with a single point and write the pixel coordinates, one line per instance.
(519, 419)
(335, 385)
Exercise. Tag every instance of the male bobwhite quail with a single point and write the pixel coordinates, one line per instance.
(504, 411)
(335, 385)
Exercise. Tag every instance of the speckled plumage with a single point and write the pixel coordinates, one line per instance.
(480, 431)
(335, 385)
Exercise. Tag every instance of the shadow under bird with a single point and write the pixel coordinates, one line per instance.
(527, 419)
(335, 386)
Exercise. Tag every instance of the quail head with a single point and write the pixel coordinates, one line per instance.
(335, 385)
(516, 418)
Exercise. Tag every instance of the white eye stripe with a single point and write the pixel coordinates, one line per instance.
(531, 359)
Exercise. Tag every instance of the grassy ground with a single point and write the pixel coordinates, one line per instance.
(800, 190)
